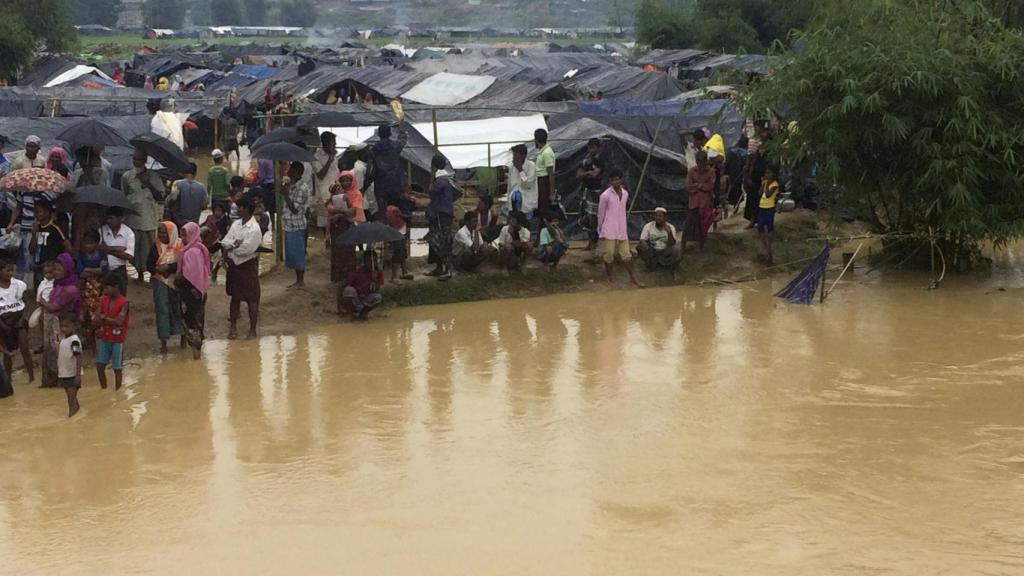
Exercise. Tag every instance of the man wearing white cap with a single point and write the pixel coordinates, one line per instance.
(218, 179)
(23, 207)
(658, 246)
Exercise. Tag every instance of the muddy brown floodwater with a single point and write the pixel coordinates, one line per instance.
(669, 431)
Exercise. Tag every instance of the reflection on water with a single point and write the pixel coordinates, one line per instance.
(663, 431)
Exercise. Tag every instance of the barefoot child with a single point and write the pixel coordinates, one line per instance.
(69, 361)
(13, 324)
(552, 241)
(113, 328)
(766, 210)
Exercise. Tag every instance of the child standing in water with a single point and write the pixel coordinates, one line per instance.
(13, 323)
(92, 266)
(69, 361)
(111, 332)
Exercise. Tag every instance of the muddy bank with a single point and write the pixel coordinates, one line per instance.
(731, 255)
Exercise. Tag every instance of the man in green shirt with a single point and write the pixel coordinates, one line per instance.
(145, 190)
(218, 179)
(545, 172)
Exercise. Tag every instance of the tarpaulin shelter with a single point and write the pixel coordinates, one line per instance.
(446, 89)
(465, 143)
(418, 150)
(623, 82)
(663, 183)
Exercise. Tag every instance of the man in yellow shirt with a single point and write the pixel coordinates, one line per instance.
(766, 209)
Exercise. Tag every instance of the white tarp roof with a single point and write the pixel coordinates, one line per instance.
(446, 89)
(514, 129)
(74, 73)
(350, 135)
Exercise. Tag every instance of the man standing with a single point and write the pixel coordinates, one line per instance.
(31, 158)
(23, 208)
(325, 170)
(522, 183)
(145, 190)
(440, 213)
(700, 186)
(612, 226)
(218, 178)
(591, 176)
(187, 198)
(296, 193)
(385, 167)
(545, 172)
(658, 246)
(118, 241)
(240, 247)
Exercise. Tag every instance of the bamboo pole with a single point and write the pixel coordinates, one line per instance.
(647, 162)
(841, 274)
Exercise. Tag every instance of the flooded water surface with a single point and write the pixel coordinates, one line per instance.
(670, 431)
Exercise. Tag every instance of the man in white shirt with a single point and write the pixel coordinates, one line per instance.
(468, 248)
(118, 241)
(240, 247)
(514, 242)
(658, 246)
(522, 179)
(325, 175)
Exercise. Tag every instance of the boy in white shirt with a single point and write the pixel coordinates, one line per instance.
(69, 361)
(13, 325)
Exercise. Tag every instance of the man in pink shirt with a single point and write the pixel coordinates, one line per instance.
(612, 226)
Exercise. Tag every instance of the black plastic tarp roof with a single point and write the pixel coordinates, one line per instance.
(47, 129)
(663, 182)
(79, 101)
(623, 82)
(44, 69)
(666, 58)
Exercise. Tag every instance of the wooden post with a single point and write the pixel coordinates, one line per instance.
(647, 161)
(278, 205)
(433, 120)
(824, 272)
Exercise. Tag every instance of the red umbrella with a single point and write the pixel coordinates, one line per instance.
(38, 180)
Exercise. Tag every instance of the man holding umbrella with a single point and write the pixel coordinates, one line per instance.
(145, 190)
(23, 207)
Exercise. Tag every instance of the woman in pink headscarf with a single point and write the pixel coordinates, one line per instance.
(65, 298)
(193, 283)
(57, 161)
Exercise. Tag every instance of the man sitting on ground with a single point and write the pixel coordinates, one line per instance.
(658, 247)
(552, 241)
(514, 242)
(469, 249)
(359, 293)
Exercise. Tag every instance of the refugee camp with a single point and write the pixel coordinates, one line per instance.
(560, 286)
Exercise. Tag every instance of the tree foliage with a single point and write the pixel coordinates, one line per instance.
(31, 25)
(724, 25)
(102, 12)
(256, 12)
(300, 13)
(226, 12)
(164, 13)
(916, 109)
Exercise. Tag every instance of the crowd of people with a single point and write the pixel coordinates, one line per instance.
(65, 271)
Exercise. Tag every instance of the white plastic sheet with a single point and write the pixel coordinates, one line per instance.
(75, 73)
(445, 89)
(501, 132)
(350, 135)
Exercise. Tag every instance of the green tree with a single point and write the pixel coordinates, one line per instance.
(164, 13)
(662, 25)
(31, 25)
(256, 12)
(103, 12)
(226, 12)
(301, 13)
(917, 110)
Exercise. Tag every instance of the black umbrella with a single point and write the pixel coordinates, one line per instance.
(283, 151)
(369, 234)
(292, 135)
(91, 133)
(101, 196)
(162, 150)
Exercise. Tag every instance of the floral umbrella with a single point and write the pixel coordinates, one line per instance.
(38, 180)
